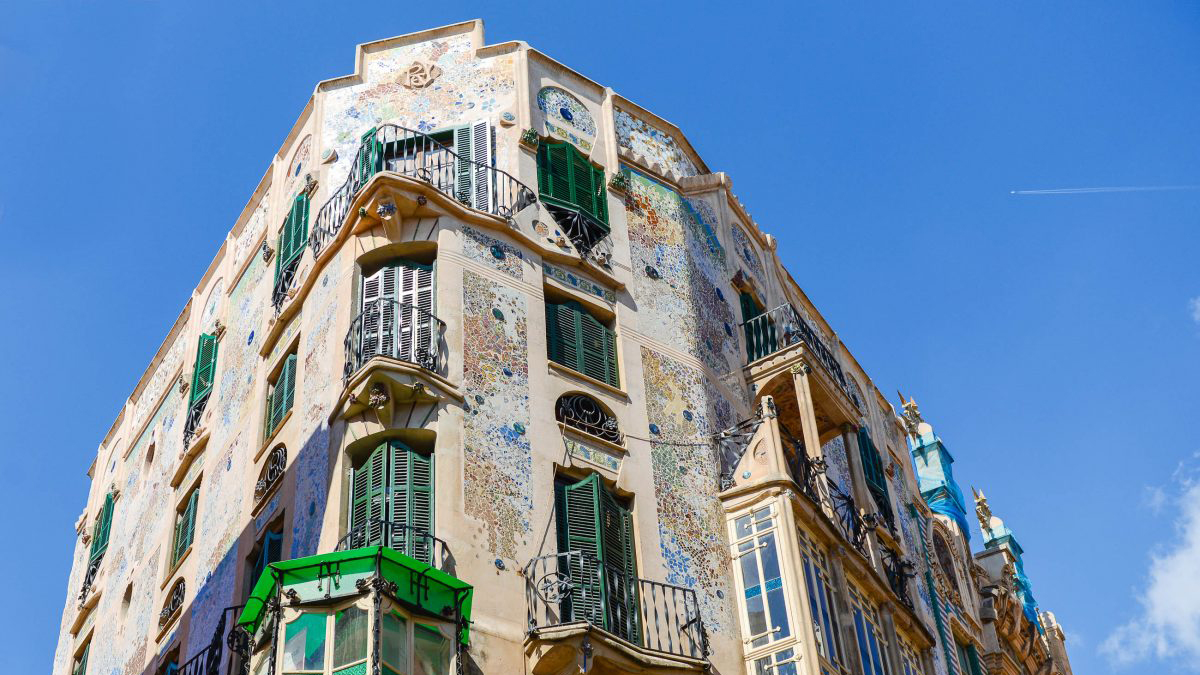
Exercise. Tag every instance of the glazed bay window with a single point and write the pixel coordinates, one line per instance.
(339, 642)
(782, 662)
(579, 341)
(281, 393)
(756, 555)
(872, 643)
(820, 600)
(910, 662)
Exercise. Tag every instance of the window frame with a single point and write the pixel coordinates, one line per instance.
(559, 343)
(774, 530)
(869, 633)
(823, 608)
(285, 370)
(181, 511)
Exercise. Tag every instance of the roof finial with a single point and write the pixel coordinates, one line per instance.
(911, 415)
(982, 510)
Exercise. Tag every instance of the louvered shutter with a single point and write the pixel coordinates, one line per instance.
(577, 510)
(463, 147)
(620, 568)
(481, 153)
(563, 334)
(206, 366)
(186, 527)
(288, 379)
(601, 192)
(368, 499)
(414, 292)
(872, 465)
(411, 504)
(283, 251)
(583, 193)
(554, 171)
(369, 158)
(379, 313)
(100, 532)
(299, 226)
(81, 665)
(598, 349)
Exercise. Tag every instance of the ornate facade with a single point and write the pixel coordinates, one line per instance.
(494, 375)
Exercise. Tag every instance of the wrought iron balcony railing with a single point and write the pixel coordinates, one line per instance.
(402, 151)
(89, 577)
(898, 571)
(414, 542)
(396, 330)
(574, 587)
(783, 327)
(587, 415)
(195, 412)
(215, 658)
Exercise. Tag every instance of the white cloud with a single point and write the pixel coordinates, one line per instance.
(1155, 499)
(1168, 625)
(1194, 308)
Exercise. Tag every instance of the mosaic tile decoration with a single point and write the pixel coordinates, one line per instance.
(671, 235)
(592, 455)
(238, 356)
(246, 243)
(301, 160)
(215, 296)
(209, 602)
(575, 281)
(566, 110)
(497, 461)
(834, 451)
(320, 382)
(638, 137)
(492, 252)
(748, 254)
(312, 483)
(691, 521)
(467, 89)
(163, 377)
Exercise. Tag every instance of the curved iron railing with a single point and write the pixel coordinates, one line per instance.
(414, 542)
(898, 571)
(208, 660)
(585, 413)
(571, 587)
(396, 149)
(783, 327)
(89, 578)
(272, 471)
(397, 330)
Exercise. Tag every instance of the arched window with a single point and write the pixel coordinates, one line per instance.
(271, 473)
(582, 412)
(941, 550)
(173, 605)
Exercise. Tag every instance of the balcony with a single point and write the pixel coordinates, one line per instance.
(394, 330)
(412, 154)
(414, 542)
(783, 327)
(580, 608)
(215, 658)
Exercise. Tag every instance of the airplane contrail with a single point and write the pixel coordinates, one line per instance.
(1092, 190)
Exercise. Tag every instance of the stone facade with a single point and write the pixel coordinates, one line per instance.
(681, 260)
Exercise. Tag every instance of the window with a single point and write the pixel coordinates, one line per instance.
(100, 530)
(202, 382)
(597, 528)
(782, 662)
(910, 662)
(391, 501)
(185, 526)
(269, 550)
(280, 394)
(821, 600)
(968, 659)
(588, 415)
(337, 642)
(872, 465)
(578, 340)
(872, 645)
(567, 179)
(79, 666)
(293, 237)
(761, 339)
(763, 597)
(945, 560)
(397, 318)
(455, 161)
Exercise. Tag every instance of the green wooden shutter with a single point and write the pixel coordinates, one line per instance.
(577, 511)
(367, 500)
(583, 193)
(102, 528)
(620, 570)
(601, 189)
(412, 500)
(369, 158)
(462, 148)
(81, 664)
(206, 366)
(282, 395)
(283, 251)
(563, 334)
(288, 378)
(597, 349)
(872, 465)
(186, 527)
(299, 233)
(554, 171)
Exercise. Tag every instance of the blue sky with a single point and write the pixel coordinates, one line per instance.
(1051, 339)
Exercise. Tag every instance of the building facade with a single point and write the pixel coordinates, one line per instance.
(494, 375)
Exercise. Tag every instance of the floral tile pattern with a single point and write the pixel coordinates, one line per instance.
(492, 252)
(575, 281)
(638, 137)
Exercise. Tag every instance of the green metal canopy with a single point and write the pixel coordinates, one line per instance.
(331, 576)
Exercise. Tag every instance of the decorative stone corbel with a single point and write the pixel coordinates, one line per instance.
(529, 139)
(386, 210)
(310, 185)
(267, 252)
(182, 383)
(218, 330)
(378, 397)
(619, 183)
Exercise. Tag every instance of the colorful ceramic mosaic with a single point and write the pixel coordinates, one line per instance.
(210, 600)
(691, 311)
(299, 167)
(492, 252)
(237, 358)
(215, 296)
(246, 243)
(467, 89)
(567, 118)
(318, 348)
(691, 522)
(749, 255)
(575, 281)
(164, 376)
(597, 456)
(497, 459)
(658, 147)
(312, 488)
